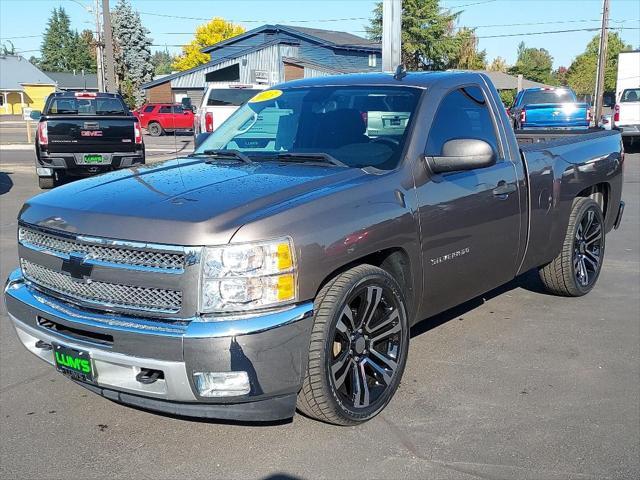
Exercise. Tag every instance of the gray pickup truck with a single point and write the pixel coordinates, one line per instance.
(283, 263)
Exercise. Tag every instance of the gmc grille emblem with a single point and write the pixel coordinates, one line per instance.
(76, 268)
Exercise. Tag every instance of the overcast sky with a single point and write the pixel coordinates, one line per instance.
(27, 19)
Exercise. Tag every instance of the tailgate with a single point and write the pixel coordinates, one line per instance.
(91, 134)
(557, 115)
(629, 113)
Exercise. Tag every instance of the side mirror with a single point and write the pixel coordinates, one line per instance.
(35, 114)
(463, 154)
(200, 138)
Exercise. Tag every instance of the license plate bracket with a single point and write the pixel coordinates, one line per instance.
(73, 363)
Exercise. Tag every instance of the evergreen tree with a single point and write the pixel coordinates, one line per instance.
(428, 42)
(162, 61)
(63, 49)
(132, 51)
(55, 42)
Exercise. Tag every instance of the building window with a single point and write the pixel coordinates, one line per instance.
(373, 60)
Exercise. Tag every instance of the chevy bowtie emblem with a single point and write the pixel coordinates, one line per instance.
(76, 267)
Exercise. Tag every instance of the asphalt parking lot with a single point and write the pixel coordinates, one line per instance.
(515, 385)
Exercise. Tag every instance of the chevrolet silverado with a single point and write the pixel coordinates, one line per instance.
(282, 264)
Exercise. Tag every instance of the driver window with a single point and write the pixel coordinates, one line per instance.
(462, 114)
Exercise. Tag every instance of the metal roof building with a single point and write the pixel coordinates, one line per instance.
(268, 55)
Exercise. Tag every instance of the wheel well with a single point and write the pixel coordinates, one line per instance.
(600, 194)
(394, 261)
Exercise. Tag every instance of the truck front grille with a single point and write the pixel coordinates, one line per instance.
(111, 254)
(101, 293)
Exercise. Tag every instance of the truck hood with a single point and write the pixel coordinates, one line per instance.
(183, 201)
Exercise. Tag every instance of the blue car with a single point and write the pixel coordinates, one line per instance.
(549, 108)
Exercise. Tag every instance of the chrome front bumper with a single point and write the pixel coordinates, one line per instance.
(272, 348)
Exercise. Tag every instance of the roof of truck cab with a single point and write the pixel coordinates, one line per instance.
(411, 79)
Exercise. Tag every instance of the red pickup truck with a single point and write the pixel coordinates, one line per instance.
(159, 118)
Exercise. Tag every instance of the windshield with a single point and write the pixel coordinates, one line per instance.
(358, 126)
(536, 97)
(86, 106)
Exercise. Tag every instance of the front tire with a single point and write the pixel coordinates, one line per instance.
(358, 349)
(575, 271)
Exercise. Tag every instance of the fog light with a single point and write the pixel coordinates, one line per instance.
(221, 384)
(44, 172)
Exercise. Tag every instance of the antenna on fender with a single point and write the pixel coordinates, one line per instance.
(401, 72)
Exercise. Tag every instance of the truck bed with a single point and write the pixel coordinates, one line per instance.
(539, 139)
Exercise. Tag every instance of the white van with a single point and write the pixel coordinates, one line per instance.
(219, 102)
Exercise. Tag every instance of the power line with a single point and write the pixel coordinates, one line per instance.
(319, 20)
(595, 29)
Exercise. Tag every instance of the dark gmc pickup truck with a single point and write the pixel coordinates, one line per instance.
(282, 264)
(84, 133)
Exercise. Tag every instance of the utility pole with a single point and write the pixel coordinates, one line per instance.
(602, 62)
(109, 68)
(99, 45)
(391, 34)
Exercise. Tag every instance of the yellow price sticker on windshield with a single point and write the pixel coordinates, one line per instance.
(265, 96)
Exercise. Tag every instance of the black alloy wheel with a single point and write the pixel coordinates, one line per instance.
(587, 250)
(358, 349)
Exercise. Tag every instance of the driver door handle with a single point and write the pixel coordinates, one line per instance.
(503, 189)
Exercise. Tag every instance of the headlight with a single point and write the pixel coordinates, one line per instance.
(248, 276)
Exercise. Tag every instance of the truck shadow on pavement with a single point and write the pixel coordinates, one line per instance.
(6, 184)
(528, 281)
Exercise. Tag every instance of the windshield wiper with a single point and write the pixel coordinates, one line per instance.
(311, 157)
(226, 154)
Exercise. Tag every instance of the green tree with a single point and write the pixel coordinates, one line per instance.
(210, 33)
(467, 56)
(498, 64)
(162, 62)
(534, 64)
(581, 75)
(428, 42)
(560, 76)
(132, 52)
(7, 48)
(507, 96)
(64, 49)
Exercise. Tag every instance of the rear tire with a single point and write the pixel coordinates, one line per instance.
(155, 129)
(575, 271)
(46, 183)
(358, 349)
